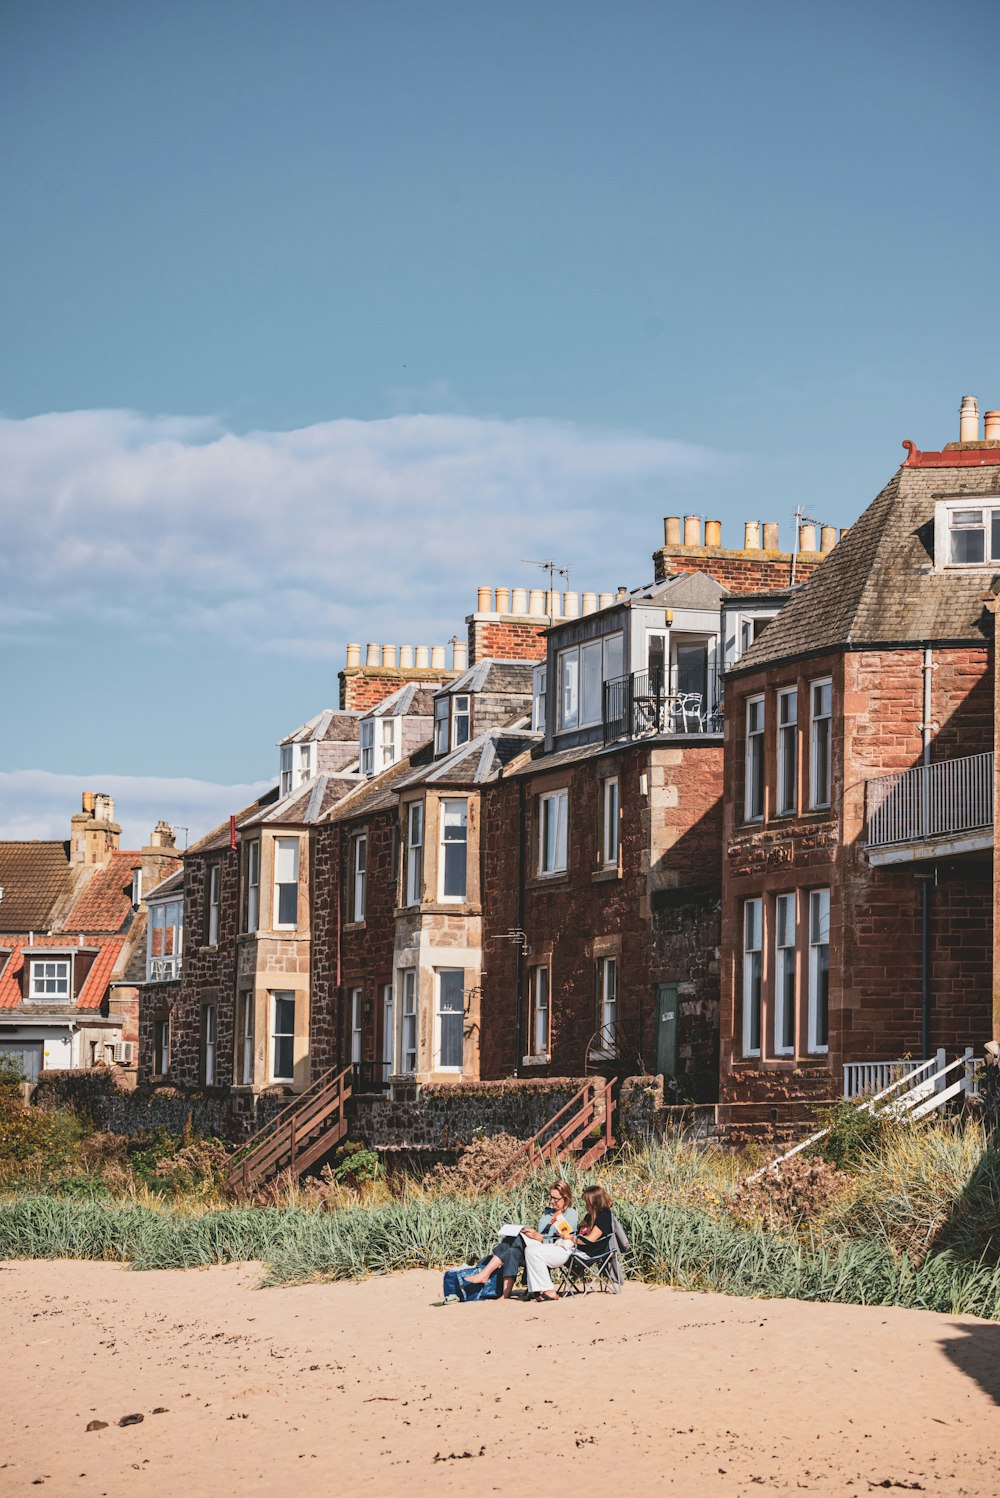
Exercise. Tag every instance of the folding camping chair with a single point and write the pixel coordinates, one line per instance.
(601, 1270)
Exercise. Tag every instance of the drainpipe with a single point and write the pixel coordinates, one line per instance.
(519, 996)
(925, 882)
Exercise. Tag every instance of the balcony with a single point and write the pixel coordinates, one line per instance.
(930, 811)
(648, 703)
(163, 969)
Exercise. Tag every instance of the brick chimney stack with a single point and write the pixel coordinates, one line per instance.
(159, 857)
(94, 834)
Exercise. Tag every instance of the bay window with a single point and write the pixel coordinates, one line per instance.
(282, 1037)
(450, 983)
(408, 1025)
(286, 882)
(252, 912)
(414, 853)
(454, 849)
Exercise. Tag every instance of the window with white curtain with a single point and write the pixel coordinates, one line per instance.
(553, 816)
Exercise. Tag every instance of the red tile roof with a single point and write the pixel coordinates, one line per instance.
(95, 985)
(106, 902)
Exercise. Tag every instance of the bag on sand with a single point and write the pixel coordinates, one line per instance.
(455, 1287)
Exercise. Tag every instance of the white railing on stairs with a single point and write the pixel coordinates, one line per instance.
(863, 1077)
(921, 1090)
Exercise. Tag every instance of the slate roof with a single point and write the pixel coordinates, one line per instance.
(331, 725)
(308, 803)
(379, 791)
(476, 762)
(878, 586)
(219, 836)
(172, 885)
(410, 701)
(36, 879)
(492, 676)
(90, 995)
(686, 590)
(106, 902)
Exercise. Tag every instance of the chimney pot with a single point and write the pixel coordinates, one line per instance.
(672, 530)
(519, 601)
(438, 657)
(406, 656)
(991, 426)
(589, 603)
(827, 538)
(771, 541)
(553, 604)
(605, 600)
(536, 601)
(87, 802)
(353, 655)
(571, 605)
(388, 655)
(713, 532)
(459, 655)
(373, 655)
(692, 530)
(807, 538)
(484, 601)
(845, 530)
(503, 600)
(751, 535)
(423, 657)
(968, 419)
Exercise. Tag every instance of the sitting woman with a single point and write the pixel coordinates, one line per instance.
(555, 1226)
(592, 1240)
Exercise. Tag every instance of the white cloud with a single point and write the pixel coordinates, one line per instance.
(345, 529)
(38, 804)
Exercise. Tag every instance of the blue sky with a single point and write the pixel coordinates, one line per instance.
(318, 315)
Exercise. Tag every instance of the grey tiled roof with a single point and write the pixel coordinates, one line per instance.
(35, 878)
(331, 725)
(492, 676)
(878, 586)
(410, 701)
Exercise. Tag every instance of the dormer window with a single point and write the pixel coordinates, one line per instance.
(49, 978)
(452, 722)
(379, 741)
(286, 769)
(539, 676)
(298, 764)
(966, 536)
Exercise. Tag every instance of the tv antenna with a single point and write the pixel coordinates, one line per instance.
(802, 519)
(552, 568)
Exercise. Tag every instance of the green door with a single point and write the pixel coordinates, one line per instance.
(666, 1029)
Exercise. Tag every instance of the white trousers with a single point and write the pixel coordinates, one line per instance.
(539, 1258)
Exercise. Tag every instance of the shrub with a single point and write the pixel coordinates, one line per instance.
(477, 1164)
(787, 1197)
(854, 1134)
(34, 1145)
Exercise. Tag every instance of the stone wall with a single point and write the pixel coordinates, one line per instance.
(103, 1096)
(447, 1116)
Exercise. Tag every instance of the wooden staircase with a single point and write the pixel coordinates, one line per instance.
(568, 1135)
(298, 1136)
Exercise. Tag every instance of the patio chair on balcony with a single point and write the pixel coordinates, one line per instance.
(685, 712)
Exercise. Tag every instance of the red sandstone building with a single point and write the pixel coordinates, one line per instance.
(858, 827)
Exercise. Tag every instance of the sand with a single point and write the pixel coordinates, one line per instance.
(371, 1388)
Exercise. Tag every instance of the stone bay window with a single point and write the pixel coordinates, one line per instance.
(164, 938)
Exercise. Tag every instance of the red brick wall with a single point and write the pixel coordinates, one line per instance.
(740, 571)
(506, 637)
(362, 687)
(668, 935)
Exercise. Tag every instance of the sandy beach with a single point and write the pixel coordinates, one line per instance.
(371, 1388)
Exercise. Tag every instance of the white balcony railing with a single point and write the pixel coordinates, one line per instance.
(163, 969)
(937, 800)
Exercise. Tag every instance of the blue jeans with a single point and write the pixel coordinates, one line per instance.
(510, 1252)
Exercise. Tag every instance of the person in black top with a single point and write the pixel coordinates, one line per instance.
(594, 1236)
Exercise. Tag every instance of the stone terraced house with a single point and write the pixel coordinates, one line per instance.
(858, 881)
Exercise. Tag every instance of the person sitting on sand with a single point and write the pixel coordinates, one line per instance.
(592, 1240)
(556, 1225)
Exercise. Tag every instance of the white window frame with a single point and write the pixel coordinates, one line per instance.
(754, 760)
(461, 714)
(286, 995)
(820, 802)
(786, 805)
(307, 762)
(389, 737)
(947, 526)
(285, 761)
(248, 1026)
(607, 977)
(591, 683)
(50, 979)
(786, 985)
(553, 832)
(442, 725)
(447, 807)
(210, 1043)
(359, 875)
(357, 1024)
(214, 901)
(282, 846)
(541, 1011)
(414, 853)
(409, 1034)
(388, 1030)
(819, 928)
(441, 1015)
(610, 822)
(539, 678)
(568, 689)
(164, 916)
(366, 746)
(161, 1046)
(753, 975)
(253, 885)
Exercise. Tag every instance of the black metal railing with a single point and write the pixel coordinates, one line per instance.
(678, 701)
